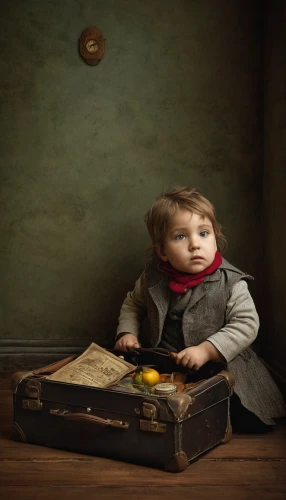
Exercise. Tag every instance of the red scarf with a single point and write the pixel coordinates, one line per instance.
(181, 282)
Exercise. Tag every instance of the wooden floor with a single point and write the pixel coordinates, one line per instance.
(249, 467)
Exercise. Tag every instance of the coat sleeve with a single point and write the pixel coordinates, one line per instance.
(133, 309)
(241, 326)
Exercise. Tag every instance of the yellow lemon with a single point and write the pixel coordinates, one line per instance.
(150, 377)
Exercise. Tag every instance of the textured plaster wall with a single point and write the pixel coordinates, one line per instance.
(274, 235)
(84, 150)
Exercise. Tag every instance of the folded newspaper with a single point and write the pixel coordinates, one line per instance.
(96, 367)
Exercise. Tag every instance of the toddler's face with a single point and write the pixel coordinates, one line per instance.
(190, 243)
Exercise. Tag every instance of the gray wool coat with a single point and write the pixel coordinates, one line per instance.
(219, 310)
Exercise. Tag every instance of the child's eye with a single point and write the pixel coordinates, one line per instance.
(204, 234)
(180, 237)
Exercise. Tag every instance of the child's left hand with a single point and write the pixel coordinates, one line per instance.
(196, 356)
(192, 357)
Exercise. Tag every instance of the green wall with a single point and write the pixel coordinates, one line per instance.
(85, 150)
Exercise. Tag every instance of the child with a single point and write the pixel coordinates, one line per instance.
(198, 305)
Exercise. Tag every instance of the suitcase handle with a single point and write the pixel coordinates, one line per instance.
(93, 419)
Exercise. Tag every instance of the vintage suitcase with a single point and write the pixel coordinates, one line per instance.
(156, 431)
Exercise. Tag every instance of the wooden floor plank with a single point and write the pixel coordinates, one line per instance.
(100, 472)
(251, 446)
(150, 492)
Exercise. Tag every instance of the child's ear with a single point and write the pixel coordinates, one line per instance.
(160, 252)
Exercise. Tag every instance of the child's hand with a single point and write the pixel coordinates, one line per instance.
(196, 356)
(127, 343)
(192, 357)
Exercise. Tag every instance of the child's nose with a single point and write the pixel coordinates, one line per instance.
(194, 243)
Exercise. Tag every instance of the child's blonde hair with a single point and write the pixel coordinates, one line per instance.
(158, 217)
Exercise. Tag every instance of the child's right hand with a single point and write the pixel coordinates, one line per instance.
(127, 343)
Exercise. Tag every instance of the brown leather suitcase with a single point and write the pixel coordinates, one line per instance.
(156, 431)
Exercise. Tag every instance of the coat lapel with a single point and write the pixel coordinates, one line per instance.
(160, 293)
(201, 290)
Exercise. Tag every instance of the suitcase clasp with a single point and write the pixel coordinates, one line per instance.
(32, 404)
(152, 426)
(150, 411)
(33, 390)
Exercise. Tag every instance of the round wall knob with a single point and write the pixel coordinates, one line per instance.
(92, 46)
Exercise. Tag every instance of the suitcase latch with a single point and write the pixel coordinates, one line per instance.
(33, 390)
(152, 426)
(150, 411)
